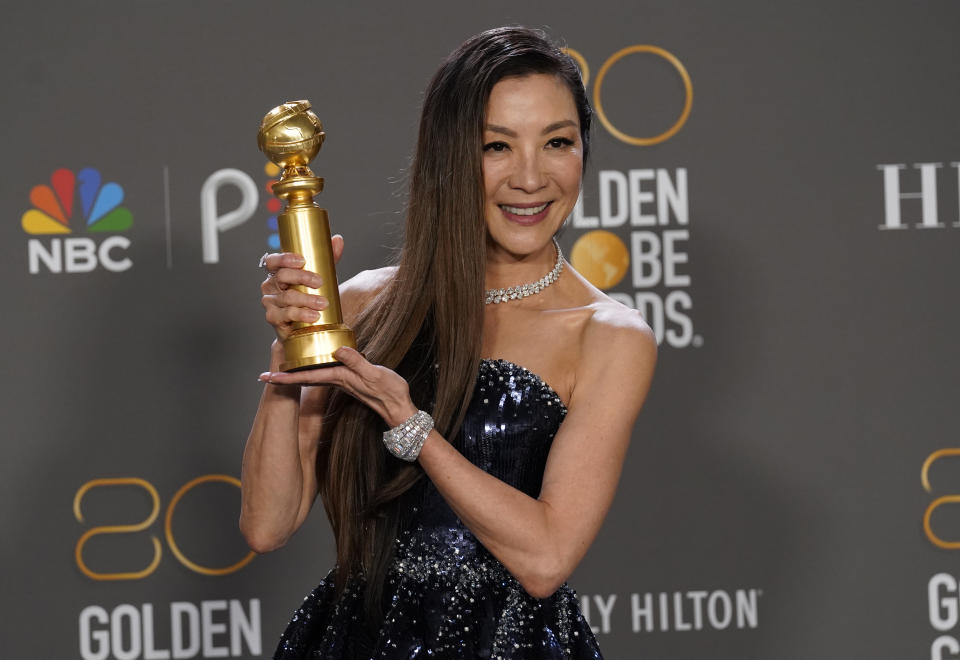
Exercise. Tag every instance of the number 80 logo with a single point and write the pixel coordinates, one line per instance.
(139, 527)
(598, 91)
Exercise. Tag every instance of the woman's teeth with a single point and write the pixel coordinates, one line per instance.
(516, 210)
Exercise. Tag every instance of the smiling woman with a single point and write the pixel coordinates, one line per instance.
(532, 165)
(504, 426)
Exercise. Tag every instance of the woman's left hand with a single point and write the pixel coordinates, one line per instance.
(385, 391)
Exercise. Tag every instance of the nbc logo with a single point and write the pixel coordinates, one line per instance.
(70, 200)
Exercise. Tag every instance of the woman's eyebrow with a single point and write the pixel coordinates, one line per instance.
(501, 129)
(559, 124)
(550, 128)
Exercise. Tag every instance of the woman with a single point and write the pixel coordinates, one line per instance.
(462, 548)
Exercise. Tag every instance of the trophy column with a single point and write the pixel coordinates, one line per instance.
(291, 135)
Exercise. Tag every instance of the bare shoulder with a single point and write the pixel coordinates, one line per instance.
(609, 327)
(616, 332)
(357, 292)
(368, 282)
(617, 357)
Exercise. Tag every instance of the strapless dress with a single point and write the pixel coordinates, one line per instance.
(446, 596)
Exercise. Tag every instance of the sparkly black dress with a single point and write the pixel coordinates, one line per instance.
(446, 595)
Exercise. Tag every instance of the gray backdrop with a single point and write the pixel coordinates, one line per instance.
(803, 285)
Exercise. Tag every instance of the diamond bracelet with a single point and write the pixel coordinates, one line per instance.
(406, 440)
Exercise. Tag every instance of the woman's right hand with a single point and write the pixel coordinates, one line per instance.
(286, 305)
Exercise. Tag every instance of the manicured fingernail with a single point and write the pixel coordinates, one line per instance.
(320, 302)
(264, 377)
(297, 259)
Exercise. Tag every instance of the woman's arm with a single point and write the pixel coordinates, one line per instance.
(279, 473)
(541, 540)
(278, 478)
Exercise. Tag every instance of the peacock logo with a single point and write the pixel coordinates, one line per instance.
(98, 204)
(73, 201)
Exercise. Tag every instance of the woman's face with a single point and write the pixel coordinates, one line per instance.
(532, 161)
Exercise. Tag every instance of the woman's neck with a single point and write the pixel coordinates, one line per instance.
(504, 269)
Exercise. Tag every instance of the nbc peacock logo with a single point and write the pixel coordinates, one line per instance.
(70, 202)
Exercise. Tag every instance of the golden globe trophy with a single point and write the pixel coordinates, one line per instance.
(291, 135)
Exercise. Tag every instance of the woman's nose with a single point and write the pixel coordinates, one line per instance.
(529, 174)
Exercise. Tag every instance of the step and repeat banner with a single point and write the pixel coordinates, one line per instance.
(775, 186)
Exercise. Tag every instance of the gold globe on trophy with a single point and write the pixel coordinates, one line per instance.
(290, 136)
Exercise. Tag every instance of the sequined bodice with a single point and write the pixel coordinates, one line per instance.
(507, 432)
(447, 596)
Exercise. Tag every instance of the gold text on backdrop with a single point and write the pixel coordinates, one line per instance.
(945, 499)
(598, 91)
(149, 520)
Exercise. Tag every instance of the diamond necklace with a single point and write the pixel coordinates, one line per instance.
(498, 296)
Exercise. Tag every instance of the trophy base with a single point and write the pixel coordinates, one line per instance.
(313, 347)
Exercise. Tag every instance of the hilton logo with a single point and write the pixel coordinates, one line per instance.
(893, 197)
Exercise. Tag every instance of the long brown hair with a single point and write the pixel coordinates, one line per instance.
(426, 322)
